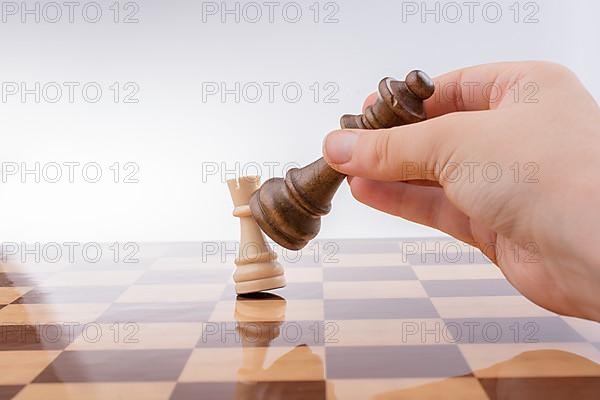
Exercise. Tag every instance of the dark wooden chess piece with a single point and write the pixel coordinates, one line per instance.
(289, 210)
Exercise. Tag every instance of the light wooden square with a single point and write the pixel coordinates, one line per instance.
(387, 332)
(373, 290)
(457, 271)
(532, 359)
(190, 263)
(93, 278)
(294, 275)
(257, 364)
(365, 260)
(406, 389)
(10, 294)
(590, 330)
(140, 336)
(171, 293)
(21, 367)
(99, 391)
(32, 314)
(487, 307)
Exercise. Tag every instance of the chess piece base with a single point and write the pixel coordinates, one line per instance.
(258, 285)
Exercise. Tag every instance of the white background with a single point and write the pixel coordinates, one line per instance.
(173, 135)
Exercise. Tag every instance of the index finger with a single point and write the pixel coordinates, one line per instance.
(476, 88)
(469, 89)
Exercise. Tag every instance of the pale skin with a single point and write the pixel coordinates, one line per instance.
(515, 173)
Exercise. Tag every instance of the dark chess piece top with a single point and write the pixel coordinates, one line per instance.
(289, 210)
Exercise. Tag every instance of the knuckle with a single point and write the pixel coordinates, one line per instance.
(382, 151)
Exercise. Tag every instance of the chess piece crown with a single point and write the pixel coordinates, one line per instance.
(289, 210)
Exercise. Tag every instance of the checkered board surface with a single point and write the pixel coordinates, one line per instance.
(360, 320)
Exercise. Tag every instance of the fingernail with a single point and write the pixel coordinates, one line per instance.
(339, 146)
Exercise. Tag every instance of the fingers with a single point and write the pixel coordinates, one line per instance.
(423, 205)
(477, 88)
(371, 99)
(423, 182)
(409, 152)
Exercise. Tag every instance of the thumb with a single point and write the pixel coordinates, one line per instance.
(408, 152)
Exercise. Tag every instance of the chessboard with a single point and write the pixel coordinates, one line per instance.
(384, 319)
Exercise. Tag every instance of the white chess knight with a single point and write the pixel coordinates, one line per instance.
(257, 268)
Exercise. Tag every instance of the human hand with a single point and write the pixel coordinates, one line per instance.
(514, 175)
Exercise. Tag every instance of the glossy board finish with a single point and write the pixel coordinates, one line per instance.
(358, 319)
